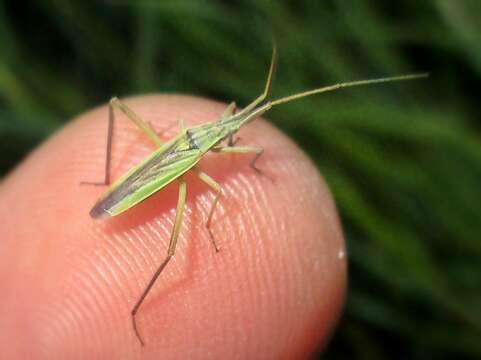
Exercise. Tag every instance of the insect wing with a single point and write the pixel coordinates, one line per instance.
(144, 180)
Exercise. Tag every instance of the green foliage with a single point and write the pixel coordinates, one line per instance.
(403, 160)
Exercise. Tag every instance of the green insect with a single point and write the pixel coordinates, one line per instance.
(171, 160)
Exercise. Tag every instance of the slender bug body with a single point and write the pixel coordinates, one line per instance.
(163, 166)
(171, 160)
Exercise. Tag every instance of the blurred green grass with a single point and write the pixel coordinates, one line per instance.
(403, 160)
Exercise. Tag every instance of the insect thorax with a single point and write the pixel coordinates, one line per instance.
(206, 136)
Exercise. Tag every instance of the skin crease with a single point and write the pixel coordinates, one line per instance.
(274, 291)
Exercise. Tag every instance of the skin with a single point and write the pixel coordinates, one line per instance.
(275, 289)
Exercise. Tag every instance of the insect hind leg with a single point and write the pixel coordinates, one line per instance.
(179, 215)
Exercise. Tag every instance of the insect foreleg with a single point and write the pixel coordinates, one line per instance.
(229, 111)
(243, 150)
(170, 253)
(217, 188)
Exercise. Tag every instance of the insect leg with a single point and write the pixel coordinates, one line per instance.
(229, 111)
(243, 150)
(214, 185)
(137, 120)
(108, 155)
(170, 253)
(231, 141)
(144, 126)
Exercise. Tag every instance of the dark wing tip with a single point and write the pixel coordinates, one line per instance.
(98, 212)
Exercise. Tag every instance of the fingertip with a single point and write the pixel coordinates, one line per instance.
(275, 289)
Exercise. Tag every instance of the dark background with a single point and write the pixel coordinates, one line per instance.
(403, 160)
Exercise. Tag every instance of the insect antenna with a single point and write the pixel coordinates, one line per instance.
(267, 87)
(256, 112)
(338, 86)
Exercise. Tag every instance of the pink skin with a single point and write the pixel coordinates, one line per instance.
(275, 290)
